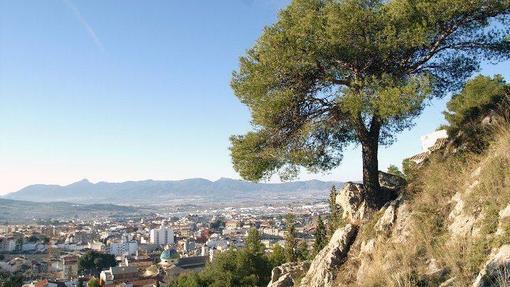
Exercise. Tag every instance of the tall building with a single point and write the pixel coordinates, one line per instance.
(124, 248)
(162, 236)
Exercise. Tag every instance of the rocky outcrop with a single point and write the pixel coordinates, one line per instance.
(389, 216)
(391, 181)
(496, 271)
(286, 274)
(462, 223)
(352, 198)
(352, 201)
(324, 266)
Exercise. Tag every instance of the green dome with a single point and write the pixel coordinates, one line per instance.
(169, 254)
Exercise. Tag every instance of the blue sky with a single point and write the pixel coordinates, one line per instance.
(129, 90)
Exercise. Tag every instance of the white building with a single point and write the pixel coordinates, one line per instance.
(7, 244)
(162, 236)
(430, 143)
(429, 140)
(124, 248)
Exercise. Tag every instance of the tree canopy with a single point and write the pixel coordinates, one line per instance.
(93, 262)
(320, 236)
(291, 252)
(330, 73)
(480, 97)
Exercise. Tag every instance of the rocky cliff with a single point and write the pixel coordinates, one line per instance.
(449, 226)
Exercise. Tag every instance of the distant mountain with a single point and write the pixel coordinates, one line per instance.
(26, 211)
(161, 192)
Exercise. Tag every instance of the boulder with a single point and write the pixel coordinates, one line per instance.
(389, 216)
(352, 201)
(403, 224)
(495, 271)
(504, 215)
(391, 181)
(352, 197)
(367, 247)
(286, 274)
(324, 266)
(283, 281)
(461, 224)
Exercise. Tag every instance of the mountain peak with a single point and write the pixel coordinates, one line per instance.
(81, 182)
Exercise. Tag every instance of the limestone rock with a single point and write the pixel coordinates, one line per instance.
(283, 281)
(367, 247)
(461, 224)
(352, 197)
(403, 224)
(391, 181)
(285, 274)
(352, 201)
(435, 272)
(495, 271)
(323, 267)
(504, 213)
(389, 216)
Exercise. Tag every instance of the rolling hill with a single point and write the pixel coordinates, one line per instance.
(160, 192)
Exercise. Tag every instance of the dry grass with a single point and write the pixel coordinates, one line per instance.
(429, 196)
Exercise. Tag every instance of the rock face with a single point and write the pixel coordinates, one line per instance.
(391, 181)
(389, 216)
(286, 274)
(352, 200)
(352, 197)
(323, 267)
(496, 271)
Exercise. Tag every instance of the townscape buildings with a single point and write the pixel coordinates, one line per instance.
(149, 251)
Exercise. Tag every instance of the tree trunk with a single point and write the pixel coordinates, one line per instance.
(369, 139)
(371, 172)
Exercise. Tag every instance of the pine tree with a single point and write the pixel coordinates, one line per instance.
(334, 212)
(277, 256)
(302, 251)
(253, 244)
(290, 239)
(320, 236)
(331, 73)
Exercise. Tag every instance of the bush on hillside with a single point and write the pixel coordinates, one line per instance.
(481, 97)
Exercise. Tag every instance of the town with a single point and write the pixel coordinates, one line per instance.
(146, 251)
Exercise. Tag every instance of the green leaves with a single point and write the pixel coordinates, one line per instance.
(317, 78)
(481, 97)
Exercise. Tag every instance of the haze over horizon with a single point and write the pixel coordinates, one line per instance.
(88, 90)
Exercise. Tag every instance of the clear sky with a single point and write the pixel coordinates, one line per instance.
(129, 90)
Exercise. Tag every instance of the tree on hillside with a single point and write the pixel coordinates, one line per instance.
(302, 252)
(334, 212)
(277, 256)
(333, 72)
(290, 238)
(320, 236)
(253, 244)
(480, 97)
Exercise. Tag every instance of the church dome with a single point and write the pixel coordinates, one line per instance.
(169, 255)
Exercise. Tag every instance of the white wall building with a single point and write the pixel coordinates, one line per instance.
(162, 236)
(427, 141)
(124, 248)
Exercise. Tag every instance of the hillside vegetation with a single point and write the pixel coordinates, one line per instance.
(453, 219)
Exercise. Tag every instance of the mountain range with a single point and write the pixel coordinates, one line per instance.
(196, 190)
(20, 211)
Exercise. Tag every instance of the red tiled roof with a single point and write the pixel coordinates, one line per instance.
(41, 283)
